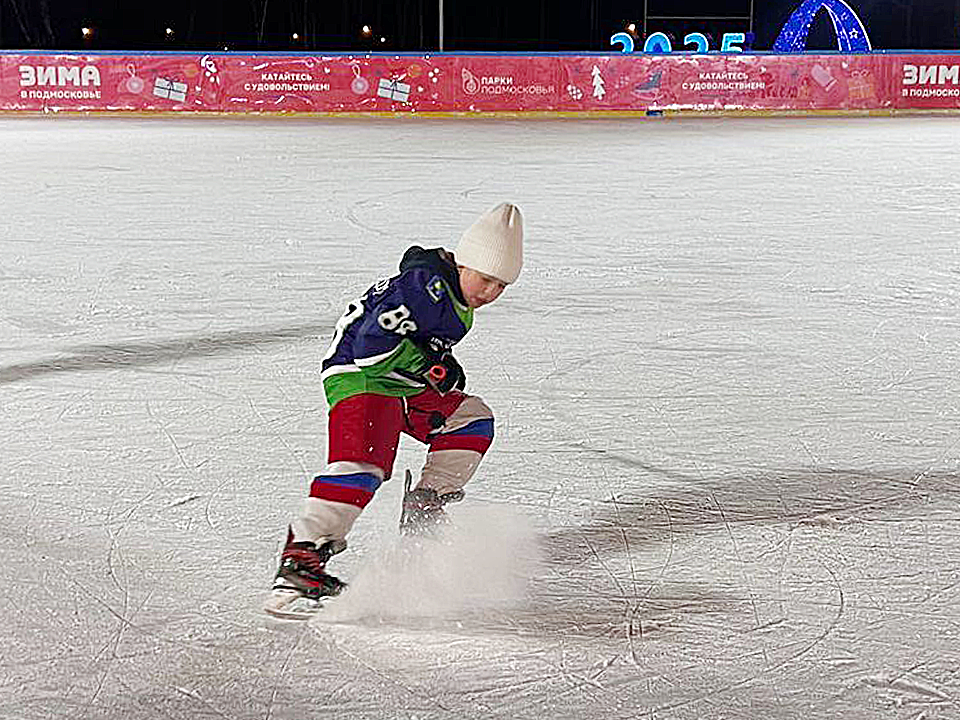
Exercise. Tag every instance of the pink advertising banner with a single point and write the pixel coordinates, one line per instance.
(231, 83)
(926, 81)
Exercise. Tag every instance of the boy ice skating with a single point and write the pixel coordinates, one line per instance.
(390, 370)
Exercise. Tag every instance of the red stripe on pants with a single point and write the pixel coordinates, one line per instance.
(341, 494)
(477, 443)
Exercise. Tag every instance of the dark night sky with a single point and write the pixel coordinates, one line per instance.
(411, 25)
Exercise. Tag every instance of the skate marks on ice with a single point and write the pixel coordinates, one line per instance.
(439, 623)
(729, 595)
(701, 500)
(746, 590)
(121, 355)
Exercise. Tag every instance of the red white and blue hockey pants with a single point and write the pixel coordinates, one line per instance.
(364, 431)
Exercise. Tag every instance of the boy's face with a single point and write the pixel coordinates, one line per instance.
(479, 289)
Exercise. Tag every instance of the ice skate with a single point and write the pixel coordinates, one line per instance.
(422, 512)
(302, 584)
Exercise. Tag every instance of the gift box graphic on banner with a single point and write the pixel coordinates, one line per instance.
(393, 90)
(170, 89)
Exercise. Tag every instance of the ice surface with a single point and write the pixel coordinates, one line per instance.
(726, 387)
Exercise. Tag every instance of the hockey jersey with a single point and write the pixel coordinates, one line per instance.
(390, 335)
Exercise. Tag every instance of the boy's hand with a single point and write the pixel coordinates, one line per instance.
(442, 373)
(445, 374)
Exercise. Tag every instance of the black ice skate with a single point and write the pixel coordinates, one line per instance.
(302, 583)
(422, 512)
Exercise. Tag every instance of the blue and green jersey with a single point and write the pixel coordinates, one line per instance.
(384, 339)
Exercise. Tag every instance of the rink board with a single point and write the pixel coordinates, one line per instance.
(488, 85)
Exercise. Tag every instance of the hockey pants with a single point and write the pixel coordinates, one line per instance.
(364, 431)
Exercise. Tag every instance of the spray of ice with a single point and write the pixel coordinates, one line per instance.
(482, 560)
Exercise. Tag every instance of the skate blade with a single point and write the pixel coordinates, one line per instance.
(291, 605)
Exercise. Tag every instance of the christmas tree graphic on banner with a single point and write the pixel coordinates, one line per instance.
(598, 89)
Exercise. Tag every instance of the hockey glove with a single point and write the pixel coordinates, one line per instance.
(441, 372)
(445, 374)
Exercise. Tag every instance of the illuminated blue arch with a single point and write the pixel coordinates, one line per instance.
(851, 34)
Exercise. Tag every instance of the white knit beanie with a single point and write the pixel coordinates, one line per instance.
(493, 245)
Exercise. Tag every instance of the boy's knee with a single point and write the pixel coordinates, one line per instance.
(470, 410)
(470, 428)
